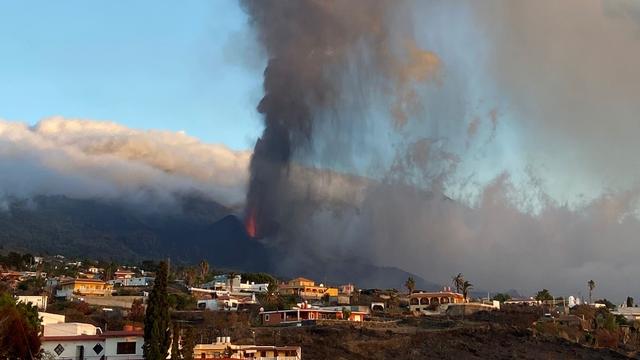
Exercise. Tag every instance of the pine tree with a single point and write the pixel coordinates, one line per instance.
(157, 332)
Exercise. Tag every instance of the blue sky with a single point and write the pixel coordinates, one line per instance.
(185, 66)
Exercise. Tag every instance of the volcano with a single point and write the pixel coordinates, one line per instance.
(198, 229)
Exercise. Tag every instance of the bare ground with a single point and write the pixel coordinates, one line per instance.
(458, 341)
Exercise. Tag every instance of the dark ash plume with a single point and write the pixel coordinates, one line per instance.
(310, 44)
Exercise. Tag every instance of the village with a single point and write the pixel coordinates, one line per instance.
(94, 310)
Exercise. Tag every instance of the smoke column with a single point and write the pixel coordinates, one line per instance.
(510, 156)
(310, 45)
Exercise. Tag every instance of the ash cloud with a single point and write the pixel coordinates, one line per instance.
(309, 45)
(103, 160)
(513, 160)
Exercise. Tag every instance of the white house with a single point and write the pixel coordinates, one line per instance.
(223, 282)
(40, 301)
(134, 281)
(253, 287)
(94, 270)
(223, 345)
(50, 318)
(218, 304)
(69, 344)
(630, 313)
(34, 274)
(63, 329)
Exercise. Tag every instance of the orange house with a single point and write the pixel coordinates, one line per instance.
(306, 289)
(84, 287)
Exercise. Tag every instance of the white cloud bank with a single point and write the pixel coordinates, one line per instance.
(98, 159)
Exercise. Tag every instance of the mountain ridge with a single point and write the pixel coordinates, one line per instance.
(195, 229)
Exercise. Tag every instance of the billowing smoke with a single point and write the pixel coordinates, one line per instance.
(310, 44)
(507, 151)
(91, 159)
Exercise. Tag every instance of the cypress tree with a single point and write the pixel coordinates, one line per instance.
(188, 343)
(157, 322)
(175, 343)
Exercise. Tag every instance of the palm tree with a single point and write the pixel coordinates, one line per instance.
(592, 285)
(272, 291)
(457, 281)
(410, 284)
(204, 269)
(189, 276)
(466, 286)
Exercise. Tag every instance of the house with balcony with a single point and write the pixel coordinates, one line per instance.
(227, 302)
(423, 301)
(84, 287)
(306, 312)
(307, 289)
(222, 348)
(234, 284)
(123, 274)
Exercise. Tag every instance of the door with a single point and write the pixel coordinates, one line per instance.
(80, 352)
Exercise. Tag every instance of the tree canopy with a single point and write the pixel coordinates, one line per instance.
(458, 281)
(544, 295)
(606, 303)
(19, 327)
(466, 286)
(410, 284)
(502, 297)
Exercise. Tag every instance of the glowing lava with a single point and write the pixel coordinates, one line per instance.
(250, 223)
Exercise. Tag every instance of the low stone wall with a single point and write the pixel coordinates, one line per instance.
(467, 309)
(110, 301)
(361, 324)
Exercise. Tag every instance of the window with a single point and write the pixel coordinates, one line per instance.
(59, 349)
(128, 347)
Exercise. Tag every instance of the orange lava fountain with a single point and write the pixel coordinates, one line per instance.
(250, 223)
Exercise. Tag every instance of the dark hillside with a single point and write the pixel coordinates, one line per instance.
(196, 229)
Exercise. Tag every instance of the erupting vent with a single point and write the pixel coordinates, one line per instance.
(250, 223)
